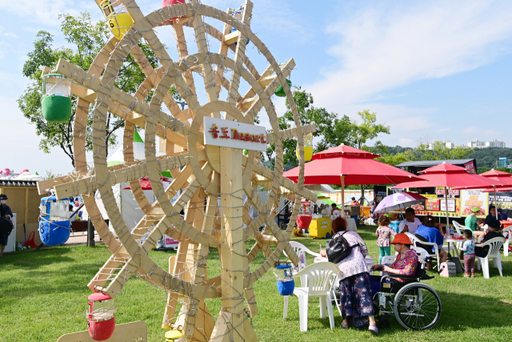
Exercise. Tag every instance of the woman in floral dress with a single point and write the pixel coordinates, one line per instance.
(355, 287)
(406, 262)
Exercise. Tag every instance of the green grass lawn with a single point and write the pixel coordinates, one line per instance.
(44, 295)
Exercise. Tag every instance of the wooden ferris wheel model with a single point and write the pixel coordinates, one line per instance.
(202, 174)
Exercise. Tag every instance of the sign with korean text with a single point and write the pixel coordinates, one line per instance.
(225, 133)
(470, 199)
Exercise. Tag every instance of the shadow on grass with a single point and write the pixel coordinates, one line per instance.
(462, 312)
(29, 259)
(459, 313)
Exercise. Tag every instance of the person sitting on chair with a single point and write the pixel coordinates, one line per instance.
(491, 216)
(429, 233)
(492, 232)
(411, 222)
(406, 262)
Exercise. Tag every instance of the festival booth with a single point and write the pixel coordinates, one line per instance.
(23, 199)
(451, 191)
(345, 165)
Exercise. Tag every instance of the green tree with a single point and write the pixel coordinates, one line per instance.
(440, 151)
(86, 39)
(368, 129)
(331, 130)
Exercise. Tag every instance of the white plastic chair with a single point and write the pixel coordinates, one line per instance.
(387, 260)
(493, 253)
(459, 228)
(319, 278)
(422, 254)
(301, 252)
(507, 243)
(415, 241)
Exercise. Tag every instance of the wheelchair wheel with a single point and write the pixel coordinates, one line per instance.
(417, 306)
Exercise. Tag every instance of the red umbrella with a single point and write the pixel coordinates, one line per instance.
(506, 188)
(346, 165)
(448, 176)
(349, 166)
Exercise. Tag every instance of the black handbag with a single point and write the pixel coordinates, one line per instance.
(6, 226)
(338, 249)
(457, 262)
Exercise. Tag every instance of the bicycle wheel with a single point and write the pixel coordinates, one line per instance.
(417, 306)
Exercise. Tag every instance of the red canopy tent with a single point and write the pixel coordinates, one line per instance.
(346, 165)
(448, 176)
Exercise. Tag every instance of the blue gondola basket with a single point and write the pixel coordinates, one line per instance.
(54, 223)
(285, 282)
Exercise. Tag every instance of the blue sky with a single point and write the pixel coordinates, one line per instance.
(431, 70)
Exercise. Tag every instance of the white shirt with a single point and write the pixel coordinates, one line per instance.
(412, 225)
(335, 214)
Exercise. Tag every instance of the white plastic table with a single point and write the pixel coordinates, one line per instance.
(452, 243)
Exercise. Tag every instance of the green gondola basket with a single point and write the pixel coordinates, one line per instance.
(56, 101)
(56, 108)
(280, 90)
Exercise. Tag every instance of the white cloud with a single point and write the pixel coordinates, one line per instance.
(6, 34)
(381, 48)
(43, 11)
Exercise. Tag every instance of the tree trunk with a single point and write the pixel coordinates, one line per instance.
(90, 234)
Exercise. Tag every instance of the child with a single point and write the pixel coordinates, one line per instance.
(469, 254)
(384, 233)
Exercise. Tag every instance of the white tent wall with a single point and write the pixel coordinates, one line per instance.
(130, 210)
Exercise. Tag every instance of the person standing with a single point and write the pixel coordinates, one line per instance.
(384, 234)
(335, 213)
(355, 300)
(5, 214)
(411, 222)
(469, 254)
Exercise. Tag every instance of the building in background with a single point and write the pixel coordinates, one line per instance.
(448, 144)
(484, 144)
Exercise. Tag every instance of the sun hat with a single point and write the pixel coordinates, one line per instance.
(475, 209)
(402, 239)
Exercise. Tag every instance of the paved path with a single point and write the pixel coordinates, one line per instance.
(80, 238)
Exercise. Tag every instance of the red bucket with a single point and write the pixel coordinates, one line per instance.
(303, 221)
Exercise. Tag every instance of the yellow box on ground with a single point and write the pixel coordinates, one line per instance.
(320, 227)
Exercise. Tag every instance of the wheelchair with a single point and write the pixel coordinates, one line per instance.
(415, 305)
